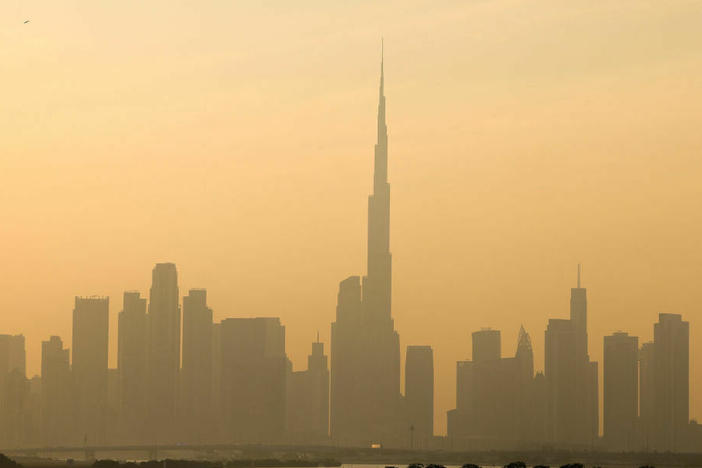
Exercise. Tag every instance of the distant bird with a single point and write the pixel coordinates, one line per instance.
(26, 21)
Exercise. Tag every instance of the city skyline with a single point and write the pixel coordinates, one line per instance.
(83, 238)
(181, 376)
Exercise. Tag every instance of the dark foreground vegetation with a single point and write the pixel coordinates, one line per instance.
(237, 463)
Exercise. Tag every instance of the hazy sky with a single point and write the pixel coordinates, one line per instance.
(235, 138)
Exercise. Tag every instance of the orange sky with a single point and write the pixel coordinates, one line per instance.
(236, 140)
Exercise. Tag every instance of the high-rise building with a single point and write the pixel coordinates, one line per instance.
(253, 383)
(164, 353)
(56, 420)
(132, 362)
(13, 389)
(365, 353)
(573, 416)
(671, 338)
(560, 370)
(524, 357)
(487, 345)
(490, 394)
(308, 399)
(89, 367)
(647, 395)
(419, 394)
(620, 390)
(197, 367)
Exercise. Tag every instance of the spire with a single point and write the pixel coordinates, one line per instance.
(578, 276)
(381, 156)
(382, 67)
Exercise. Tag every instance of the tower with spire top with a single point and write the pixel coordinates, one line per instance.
(365, 348)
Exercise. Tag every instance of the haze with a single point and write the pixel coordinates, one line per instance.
(235, 139)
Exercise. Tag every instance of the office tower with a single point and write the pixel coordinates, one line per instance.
(571, 377)
(587, 414)
(620, 390)
(12, 354)
(419, 394)
(55, 393)
(32, 413)
(489, 394)
(113, 410)
(647, 395)
(254, 367)
(132, 362)
(197, 366)
(89, 366)
(671, 338)
(308, 399)
(365, 353)
(524, 358)
(216, 380)
(487, 345)
(13, 391)
(164, 353)
(560, 371)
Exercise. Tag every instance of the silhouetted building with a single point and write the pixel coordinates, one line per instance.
(253, 384)
(308, 400)
(647, 395)
(620, 390)
(365, 352)
(197, 367)
(490, 393)
(56, 406)
(164, 353)
(672, 381)
(526, 416)
(13, 389)
(113, 410)
(487, 345)
(89, 367)
(573, 415)
(419, 394)
(132, 362)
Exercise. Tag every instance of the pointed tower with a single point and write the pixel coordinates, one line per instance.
(377, 283)
(365, 348)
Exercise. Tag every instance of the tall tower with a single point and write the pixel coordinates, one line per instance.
(132, 352)
(365, 351)
(621, 402)
(164, 352)
(89, 366)
(419, 394)
(196, 380)
(671, 374)
(377, 283)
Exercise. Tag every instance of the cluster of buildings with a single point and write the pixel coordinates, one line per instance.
(502, 404)
(183, 378)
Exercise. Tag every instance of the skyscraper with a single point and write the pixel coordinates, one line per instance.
(571, 377)
(620, 390)
(419, 394)
(13, 388)
(55, 393)
(365, 346)
(308, 399)
(164, 353)
(647, 395)
(253, 390)
(89, 366)
(132, 363)
(487, 345)
(671, 338)
(197, 366)
(560, 371)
